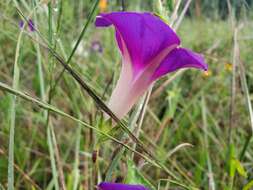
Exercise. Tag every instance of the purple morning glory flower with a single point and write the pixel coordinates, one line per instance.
(21, 24)
(119, 186)
(31, 25)
(150, 49)
(96, 46)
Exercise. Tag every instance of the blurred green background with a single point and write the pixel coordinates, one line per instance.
(199, 125)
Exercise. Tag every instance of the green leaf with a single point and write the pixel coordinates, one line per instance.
(232, 167)
(134, 176)
(104, 126)
(237, 166)
(240, 169)
(170, 5)
(248, 185)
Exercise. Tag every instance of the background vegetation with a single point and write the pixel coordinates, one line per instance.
(198, 126)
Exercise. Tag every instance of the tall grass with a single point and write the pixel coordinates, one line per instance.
(54, 85)
(16, 77)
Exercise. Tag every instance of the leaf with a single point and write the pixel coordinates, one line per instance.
(248, 185)
(103, 126)
(170, 5)
(240, 169)
(232, 167)
(237, 166)
(134, 176)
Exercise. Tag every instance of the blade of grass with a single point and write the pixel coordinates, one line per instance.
(206, 144)
(181, 17)
(176, 183)
(236, 61)
(43, 96)
(142, 114)
(16, 74)
(132, 122)
(50, 131)
(173, 16)
(39, 63)
(56, 151)
(249, 106)
(78, 41)
(77, 160)
(123, 5)
(25, 175)
(52, 158)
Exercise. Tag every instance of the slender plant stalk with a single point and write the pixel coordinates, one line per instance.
(247, 95)
(77, 160)
(77, 140)
(233, 86)
(52, 86)
(142, 114)
(77, 42)
(123, 5)
(132, 122)
(174, 14)
(181, 17)
(39, 63)
(249, 106)
(236, 61)
(15, 84)
(50, 132)
(208, 160)
(52, 158)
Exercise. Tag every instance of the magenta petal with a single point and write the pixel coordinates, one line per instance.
(149, 50)
(119, 186)
(144, 34)
(31, 25)
(180, 58)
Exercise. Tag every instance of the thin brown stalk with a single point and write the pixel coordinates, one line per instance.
(165, 123)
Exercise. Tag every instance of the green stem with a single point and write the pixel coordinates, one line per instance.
(15, 84)
(77, 43)
(50, 131)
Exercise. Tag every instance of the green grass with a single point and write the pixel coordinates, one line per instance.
(51, 128)
(12, 116)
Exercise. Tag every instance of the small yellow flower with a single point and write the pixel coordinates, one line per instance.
(228, 66)
(102, 5)
(207, 74)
